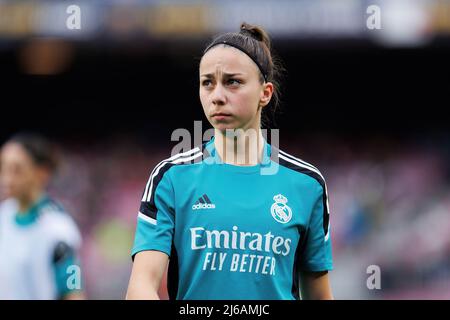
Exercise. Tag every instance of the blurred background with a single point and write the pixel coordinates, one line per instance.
(366, 106)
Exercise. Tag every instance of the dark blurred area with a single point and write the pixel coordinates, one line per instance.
(343, 88)
(365, 106)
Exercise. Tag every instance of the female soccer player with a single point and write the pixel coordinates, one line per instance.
(234, 229)
(38, 240)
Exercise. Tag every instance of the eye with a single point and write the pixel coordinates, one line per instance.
(233, 81)
(206, 83)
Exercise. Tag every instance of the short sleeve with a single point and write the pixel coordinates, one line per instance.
(156, 216)
(64, 247)
(64, 257)
(317, 253)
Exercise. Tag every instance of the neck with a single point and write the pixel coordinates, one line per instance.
(242, 148)
(26, 202)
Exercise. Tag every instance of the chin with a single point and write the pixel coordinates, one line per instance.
(222, 128)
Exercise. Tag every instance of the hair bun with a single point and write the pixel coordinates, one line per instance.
(252, 31)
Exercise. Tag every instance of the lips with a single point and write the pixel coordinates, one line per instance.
(221, 114)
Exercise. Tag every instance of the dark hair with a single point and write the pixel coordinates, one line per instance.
(256, 43)
(38, 147)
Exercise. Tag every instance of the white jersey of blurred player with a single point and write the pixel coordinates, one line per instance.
(36, 251)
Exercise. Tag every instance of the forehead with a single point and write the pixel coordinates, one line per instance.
(14, 152)
(227, 59)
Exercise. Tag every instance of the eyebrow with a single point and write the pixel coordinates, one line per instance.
(211, 75)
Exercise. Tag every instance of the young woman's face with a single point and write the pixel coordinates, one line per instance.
(18, 173)
(231, 92)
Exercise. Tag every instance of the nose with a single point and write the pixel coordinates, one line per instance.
(218, 95)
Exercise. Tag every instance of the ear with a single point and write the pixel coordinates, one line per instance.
(266, 94)
(43, 175)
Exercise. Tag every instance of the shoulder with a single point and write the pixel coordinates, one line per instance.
(300, 167)
(58, 223)
(184, 159)
(159, 172)
(8, 209)
(191, 156)
(8, 205)
(306, 169)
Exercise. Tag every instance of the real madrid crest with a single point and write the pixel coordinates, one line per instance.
(281, 212)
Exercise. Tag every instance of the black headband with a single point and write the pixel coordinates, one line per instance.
(264, 73)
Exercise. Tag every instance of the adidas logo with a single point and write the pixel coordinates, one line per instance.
(203, 203)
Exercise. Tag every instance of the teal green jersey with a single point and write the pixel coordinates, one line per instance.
(235, 232)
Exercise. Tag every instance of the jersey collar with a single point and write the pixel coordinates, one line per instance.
(31, 215)
(211, 151)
